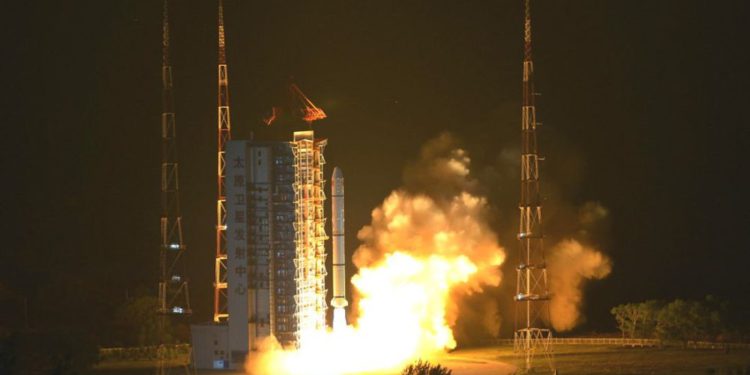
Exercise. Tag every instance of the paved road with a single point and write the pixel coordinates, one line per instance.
(462, 364)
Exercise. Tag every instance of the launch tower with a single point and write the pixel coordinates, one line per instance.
(310, 260)
(531, 336)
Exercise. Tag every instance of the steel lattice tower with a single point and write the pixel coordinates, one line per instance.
(225, 134)
(310, 236)
(532, 335)
(174, 297)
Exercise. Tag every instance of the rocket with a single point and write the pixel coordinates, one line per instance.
(339, 254)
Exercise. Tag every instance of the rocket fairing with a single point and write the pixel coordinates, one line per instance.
(339, 254)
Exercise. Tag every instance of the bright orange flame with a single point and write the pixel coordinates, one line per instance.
(403, 303)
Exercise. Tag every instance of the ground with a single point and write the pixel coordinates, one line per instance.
(571, 359)
(612, 359)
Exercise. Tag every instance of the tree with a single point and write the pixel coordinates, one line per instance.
(627, 318)
(139, 322)
(679, 320)
(687, 320)
(637, 319)
(649, 313)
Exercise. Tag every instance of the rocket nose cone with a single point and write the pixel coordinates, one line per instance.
(337, 174)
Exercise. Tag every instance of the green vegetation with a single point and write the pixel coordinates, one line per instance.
(425, 368)
(637, 320)
(680, 321)
(138, 324)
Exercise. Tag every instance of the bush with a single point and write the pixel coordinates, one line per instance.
(425, 368)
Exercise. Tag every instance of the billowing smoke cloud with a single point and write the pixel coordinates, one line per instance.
(566, 217)
(421, 226)
(438, 213)
(570, 265)
(441, 210)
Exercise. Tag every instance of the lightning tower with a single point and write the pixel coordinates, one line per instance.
(225, 134)
(174, 297)
(531, 336)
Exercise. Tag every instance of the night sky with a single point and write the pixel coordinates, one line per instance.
(644, 109)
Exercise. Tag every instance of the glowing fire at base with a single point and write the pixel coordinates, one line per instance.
(403, 303)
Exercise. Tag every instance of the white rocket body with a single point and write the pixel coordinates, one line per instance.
(339, 254)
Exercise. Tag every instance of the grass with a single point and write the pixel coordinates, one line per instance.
(570, 359)
(590, 359)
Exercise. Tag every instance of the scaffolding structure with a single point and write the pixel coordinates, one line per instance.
(310, 235)
(283, 248)
(532, 335)
(225, 134)
(173, 294)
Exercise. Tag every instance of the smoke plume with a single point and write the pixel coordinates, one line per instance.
(437, 213)
(570, 265)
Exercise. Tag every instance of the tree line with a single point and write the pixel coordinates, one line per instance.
(710, 319)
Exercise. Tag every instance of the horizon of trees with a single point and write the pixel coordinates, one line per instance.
(709, 319)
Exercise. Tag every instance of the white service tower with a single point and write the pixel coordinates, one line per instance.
(339, 253)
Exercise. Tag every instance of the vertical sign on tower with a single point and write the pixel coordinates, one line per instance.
(260, 207)
(237, 254)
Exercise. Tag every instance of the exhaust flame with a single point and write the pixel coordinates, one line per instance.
(402, 307)
(418, 255)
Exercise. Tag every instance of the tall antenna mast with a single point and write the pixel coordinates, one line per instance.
(225, 134)
(531, 334)
(173, 285)
(174, 297)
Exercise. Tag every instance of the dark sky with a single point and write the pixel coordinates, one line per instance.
(644, 105)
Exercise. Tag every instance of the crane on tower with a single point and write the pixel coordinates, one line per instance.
(295, 103)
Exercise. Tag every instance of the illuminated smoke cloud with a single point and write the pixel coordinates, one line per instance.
(437, 213)
(570, 265)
